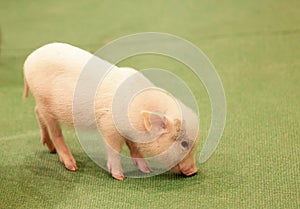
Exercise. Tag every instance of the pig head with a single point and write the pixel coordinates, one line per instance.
(158, 125)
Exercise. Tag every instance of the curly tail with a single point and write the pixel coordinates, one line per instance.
(26, 89)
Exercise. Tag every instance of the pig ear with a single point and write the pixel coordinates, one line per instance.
(154, 119)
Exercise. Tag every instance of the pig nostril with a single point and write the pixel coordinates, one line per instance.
(190, 175)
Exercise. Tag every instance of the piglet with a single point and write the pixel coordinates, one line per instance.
(154, 122)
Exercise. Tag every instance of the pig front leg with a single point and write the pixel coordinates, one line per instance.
(114, 165)
(138, 159)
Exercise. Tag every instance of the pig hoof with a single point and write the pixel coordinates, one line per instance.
(71, 167)
(50, 146)
(142, 164)
(52, 150)
(118, 177)
(117, 173)
(69, 164)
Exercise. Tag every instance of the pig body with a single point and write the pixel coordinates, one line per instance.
(52, 72)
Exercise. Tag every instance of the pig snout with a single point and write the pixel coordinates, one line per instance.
(186, 170)
(190, 171)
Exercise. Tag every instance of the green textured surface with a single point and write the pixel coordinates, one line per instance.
(255, 46)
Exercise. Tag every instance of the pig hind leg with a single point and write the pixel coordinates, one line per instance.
(62, 149)
(45, 137)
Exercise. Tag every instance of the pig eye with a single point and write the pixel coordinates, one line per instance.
(184, 144)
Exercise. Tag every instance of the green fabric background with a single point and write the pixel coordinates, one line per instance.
(255, 46)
